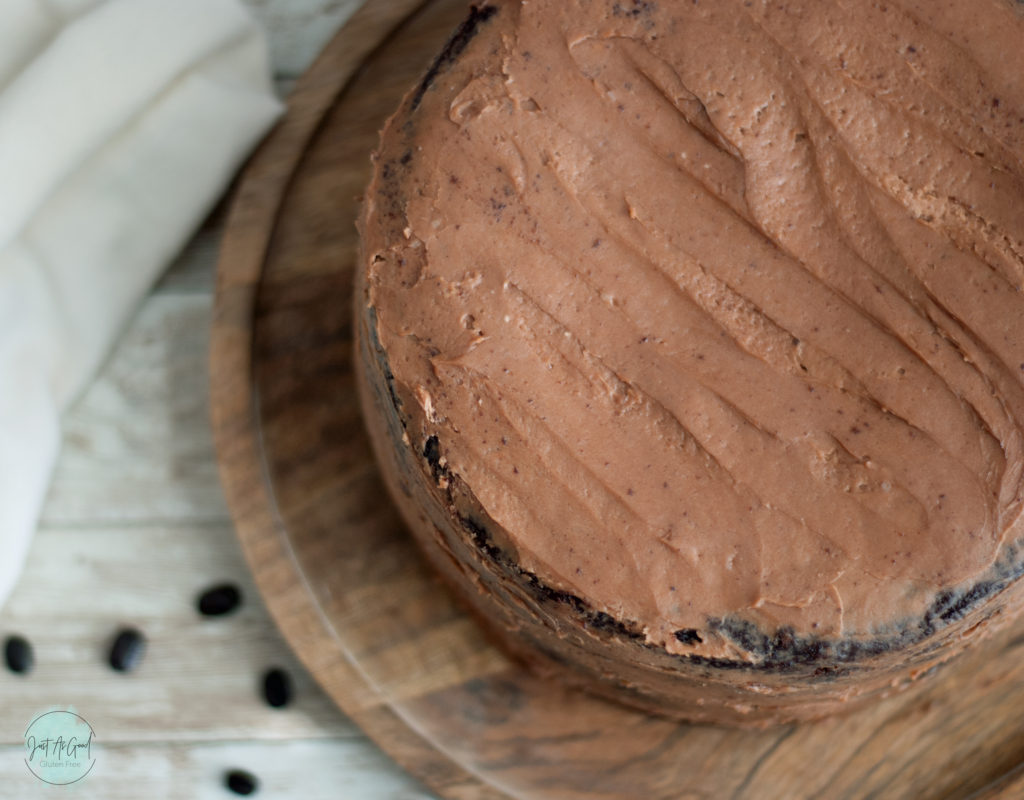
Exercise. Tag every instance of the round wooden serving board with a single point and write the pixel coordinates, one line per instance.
(349, 590)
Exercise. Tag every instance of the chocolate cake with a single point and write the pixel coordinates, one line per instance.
(691, 340)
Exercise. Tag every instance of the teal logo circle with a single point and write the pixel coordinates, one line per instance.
(59, 747)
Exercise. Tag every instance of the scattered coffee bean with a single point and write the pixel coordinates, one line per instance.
(219, 600)
(241, 782)
(127, 651)
(277, 688)
(18, 654)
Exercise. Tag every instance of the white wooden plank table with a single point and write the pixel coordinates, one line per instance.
(134, 528)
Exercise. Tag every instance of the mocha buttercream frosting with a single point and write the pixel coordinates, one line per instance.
(693, 337)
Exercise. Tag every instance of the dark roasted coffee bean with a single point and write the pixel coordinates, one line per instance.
(241, 782)
(127, 651)
(277, 688)
(18, 654)
(219, 600)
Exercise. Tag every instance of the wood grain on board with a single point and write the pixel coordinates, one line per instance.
(348, 589)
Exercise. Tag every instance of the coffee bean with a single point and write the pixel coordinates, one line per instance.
(219, 600)
(18, 654)
(241, 782)
(127, 651)
(277, 688)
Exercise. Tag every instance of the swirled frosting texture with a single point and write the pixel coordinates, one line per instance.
(716, 306)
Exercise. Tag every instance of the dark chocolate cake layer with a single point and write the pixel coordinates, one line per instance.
(692, 340)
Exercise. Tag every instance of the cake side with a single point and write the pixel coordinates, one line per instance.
(558, 634)
(432, 296)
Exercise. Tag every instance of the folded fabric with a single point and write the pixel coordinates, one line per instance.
(121, 122)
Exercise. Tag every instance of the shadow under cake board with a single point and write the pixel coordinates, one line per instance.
(351, 593)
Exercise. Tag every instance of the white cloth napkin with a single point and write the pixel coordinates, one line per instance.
(121, 121)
